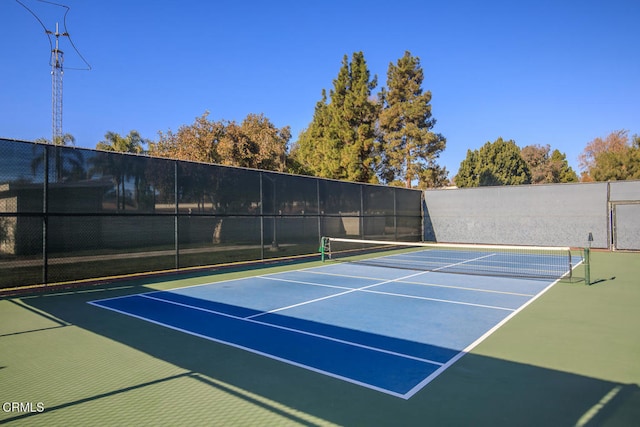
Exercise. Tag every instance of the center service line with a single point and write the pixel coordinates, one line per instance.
(364, 288)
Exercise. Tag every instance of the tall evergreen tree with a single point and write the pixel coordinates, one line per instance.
(315, 153)
(468, 171)
(409, 148)
(340, 141)
(560, 169)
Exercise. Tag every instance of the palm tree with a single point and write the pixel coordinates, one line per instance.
(69, 163)
(124, 167)
(132, 143)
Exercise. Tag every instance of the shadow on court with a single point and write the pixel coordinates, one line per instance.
(476, 390)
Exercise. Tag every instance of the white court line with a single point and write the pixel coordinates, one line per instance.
(324, 285)
(435, 285)
(394, 294)
(431, 260)
(248, 349)
(474, 344)
(348, 291)
(352, 290)
(505, 262)
(407, 395)
(493, 307)
(299, 331)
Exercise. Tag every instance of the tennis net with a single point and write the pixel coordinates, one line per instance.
(491, 260)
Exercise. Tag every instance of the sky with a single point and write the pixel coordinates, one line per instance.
(557, 72)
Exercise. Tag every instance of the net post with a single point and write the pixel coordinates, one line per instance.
(587, 260)
(322, 248)
(587, 266)
(570, 267)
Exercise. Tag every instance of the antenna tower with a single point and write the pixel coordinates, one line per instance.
(57, 58)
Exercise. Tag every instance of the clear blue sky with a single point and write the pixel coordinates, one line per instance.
(558, 72)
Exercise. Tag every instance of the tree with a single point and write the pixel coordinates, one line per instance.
(66, 163)
(612, 166)
(196, 142)
(496, 163)
(560, 169)
(546, 168)
(315, 153)
(340, 141)
(132, 143)
(64, 140)
(256, 143)
(613, 159)
(468, 172)
(408, 146)
(537, 159)
(121, 168)
(433, 176)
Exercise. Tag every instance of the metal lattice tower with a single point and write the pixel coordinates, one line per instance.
(57, 58)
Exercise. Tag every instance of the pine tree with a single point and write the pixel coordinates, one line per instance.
(468, 172)
(340, 141)
(312, 152)
(561, 171)
(409, 148)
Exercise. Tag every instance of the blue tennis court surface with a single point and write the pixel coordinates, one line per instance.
(391, 330)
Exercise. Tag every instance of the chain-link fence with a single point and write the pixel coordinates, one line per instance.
(69, 214)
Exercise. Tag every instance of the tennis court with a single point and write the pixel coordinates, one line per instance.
(366, 322)
(568, 358)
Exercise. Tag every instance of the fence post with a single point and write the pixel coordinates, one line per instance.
(176, 222)
(45, 218)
